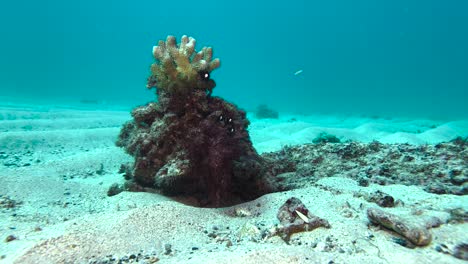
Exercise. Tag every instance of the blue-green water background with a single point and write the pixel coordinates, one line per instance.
(399, 57)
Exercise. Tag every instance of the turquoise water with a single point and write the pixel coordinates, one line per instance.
(406, 58)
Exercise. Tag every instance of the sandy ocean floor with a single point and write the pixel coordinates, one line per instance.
(57, 164)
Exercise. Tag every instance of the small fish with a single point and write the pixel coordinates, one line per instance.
(298, 72)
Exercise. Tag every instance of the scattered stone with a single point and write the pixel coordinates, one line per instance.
(126, 169)
(324, 137)
(7, 203)
(148, 258)
(363, 182)
(10, 164)
(295, 217)
(347, 213)
(433, 222)
(375, 146)
(461, 251)
(352, 150)
(460, 141)
(407, 158)
(442, 248)
(382, 199)
(132, 187)
(436, 188)
(167, 249)
(88, 172)
(249, 232)
(228, 243)
(458, 215)
(419, 236)
(115, 189)
(100, 171)
(212, 235)
(10, 238)
(122, 168)
(242, 212)
(331, 244)
(403, 242)
(457, 178)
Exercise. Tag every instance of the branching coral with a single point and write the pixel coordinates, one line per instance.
(179, 69)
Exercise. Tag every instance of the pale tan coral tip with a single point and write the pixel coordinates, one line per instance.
(171, 41)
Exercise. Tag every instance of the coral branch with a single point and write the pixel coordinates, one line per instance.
(178, 69)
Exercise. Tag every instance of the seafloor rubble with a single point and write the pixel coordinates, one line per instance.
(440, 169)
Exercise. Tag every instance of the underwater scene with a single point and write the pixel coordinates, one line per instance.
(234, 131)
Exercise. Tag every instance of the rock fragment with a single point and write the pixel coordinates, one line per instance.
(419, 236)
(295, 217)
(461, 251)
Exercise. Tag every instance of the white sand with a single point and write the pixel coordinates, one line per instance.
(62, 194)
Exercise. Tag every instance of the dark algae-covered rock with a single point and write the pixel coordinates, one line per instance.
(189, 142)
(326, 138)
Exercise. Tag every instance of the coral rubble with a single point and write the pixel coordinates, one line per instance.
(419, 236)
(325, 138)
(189, 142)
(439, 169)
(295, 217)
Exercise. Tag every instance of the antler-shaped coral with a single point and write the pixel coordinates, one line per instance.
(178, 69)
